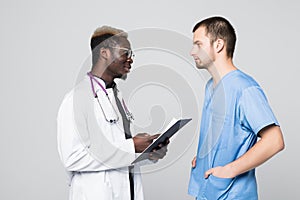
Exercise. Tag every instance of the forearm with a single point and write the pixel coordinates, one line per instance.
(79, 158)
(79, 153)
(271, 142)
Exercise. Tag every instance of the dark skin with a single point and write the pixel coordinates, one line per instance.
(157, 153)
(142, 141)
(113, 63)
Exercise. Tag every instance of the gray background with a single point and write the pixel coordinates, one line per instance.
(44, 43)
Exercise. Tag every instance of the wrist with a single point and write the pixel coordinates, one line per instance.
(231, 170)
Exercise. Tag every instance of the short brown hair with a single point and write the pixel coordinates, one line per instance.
(219, 28)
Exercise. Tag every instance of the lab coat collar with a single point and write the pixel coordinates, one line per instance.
(102, 82)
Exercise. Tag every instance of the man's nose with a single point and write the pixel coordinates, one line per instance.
(129, 60)
(193, 51)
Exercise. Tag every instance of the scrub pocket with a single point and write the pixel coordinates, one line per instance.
(218, 188)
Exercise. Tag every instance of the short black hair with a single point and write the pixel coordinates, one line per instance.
(105, 37)
(219, 28)
(96, 41)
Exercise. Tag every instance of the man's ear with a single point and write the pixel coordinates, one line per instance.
(104, 53)
(219, 45)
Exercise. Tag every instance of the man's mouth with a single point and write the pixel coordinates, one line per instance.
(127, 69)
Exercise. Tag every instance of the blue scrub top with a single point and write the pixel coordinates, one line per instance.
(233, 114)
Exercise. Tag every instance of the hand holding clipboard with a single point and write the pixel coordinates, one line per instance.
(162, 139)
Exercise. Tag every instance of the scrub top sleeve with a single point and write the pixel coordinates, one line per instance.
(255, 112)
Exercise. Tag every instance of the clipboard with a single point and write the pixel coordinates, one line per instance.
(162, 138)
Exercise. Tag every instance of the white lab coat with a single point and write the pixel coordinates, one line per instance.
(94, 152)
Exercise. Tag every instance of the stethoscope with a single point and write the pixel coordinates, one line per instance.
(129, 115)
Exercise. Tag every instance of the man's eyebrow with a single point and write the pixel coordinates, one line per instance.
(196, 42)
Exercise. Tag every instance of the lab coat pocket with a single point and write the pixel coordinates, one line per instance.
(218, 188)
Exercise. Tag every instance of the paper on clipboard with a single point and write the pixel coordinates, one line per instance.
(171, 129)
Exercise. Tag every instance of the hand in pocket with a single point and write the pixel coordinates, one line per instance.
(221, 172)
